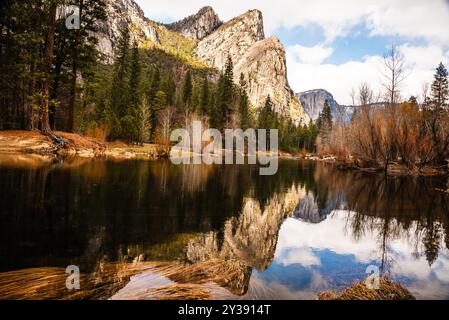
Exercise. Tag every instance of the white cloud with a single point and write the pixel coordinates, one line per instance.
(426, 21)
(310, 55)
(297, 238)
(410, 18)
(339, 79)
(303, 256)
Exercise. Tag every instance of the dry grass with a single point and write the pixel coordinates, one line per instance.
(388, 290)
(37, 143)
(231, 275)
(199, 281)
(49, 283)
(181, 292)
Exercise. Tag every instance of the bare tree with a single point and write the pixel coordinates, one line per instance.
(145, 121)
(166, 119)
(353, 94)
(394, 73)
(424, 92)
(365, 94)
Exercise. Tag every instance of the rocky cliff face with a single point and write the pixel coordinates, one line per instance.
(265, 71)
(262, 62)
(197, 26)
(234, 38)
(313, 102)
(120, 12)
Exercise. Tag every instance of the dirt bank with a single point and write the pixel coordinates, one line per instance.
(71, 144)
(58, 143)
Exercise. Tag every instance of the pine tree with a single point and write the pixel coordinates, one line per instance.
(440, 88)
(120, 85)
(266, 115)
(319, 120)
(24, 26)
(160, 101)
(187, 90)
(244, 104)
(83, 47)
(153, 88)
(119, 92)
(225, 96)
(436, 113)
(229, 71)
(134, 79)
(154, 85)
(204, 97)
(325, 124)
(169, 87)
(326, 116)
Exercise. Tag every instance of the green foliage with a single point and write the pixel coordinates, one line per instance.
(440, 88)
(203, 102)
(134, 79)
(127, 99)
(292, 138)
(187, 89)
(244, 105)
(224, 102)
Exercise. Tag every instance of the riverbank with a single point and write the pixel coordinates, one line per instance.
(393, 169)
(71, 144)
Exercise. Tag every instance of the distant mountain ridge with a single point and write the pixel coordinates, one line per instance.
(313, 102)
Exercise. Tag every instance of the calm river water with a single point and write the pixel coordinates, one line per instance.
(309, 228)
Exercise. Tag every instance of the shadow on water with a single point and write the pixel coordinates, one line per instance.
(214, 231)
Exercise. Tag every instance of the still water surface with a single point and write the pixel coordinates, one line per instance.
(309, 228)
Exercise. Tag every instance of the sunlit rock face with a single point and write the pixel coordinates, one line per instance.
(313, 102)
(262, 62)
(120, 12)
(198, 25)
(246, 242)
(233, 39)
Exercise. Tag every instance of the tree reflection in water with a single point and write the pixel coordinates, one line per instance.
(199, 225)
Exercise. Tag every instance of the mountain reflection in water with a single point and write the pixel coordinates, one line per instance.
(144, 230)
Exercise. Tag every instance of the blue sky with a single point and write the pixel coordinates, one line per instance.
(336, 45)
